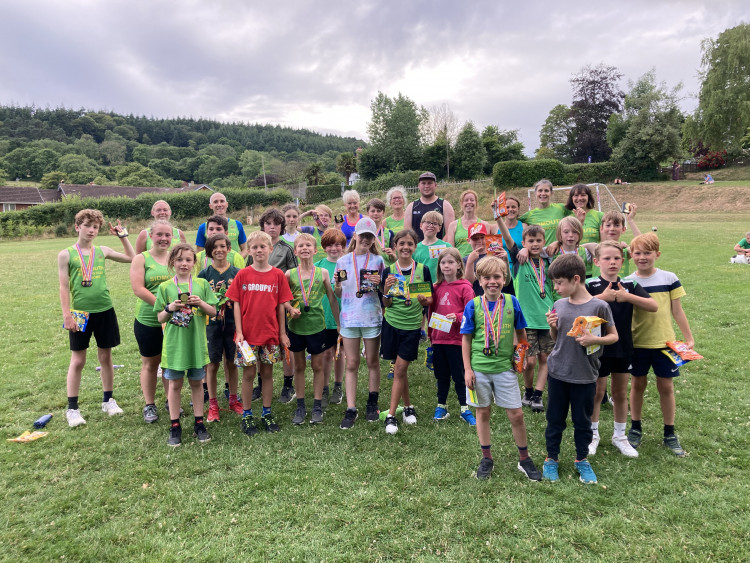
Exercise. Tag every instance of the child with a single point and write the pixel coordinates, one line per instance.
(743, 247)
(487, 351)
(569, 234)
(613, 227)
(429, 249)
(218, 225)
(572, 370)
(291, 224)
(651, 332)
(401, 325)
(361, 316)
(307, 325)
(622, 297)
(322, 215)
(452, 293)
(477, 234)
(80, 270)
(383, 235)
(259, 293)
(220, 329)
(334, 242)
(183, 303)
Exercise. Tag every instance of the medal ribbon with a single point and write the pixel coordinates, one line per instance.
(356, 270)
(87, 270)
(381, 241)
(539, 274)
(413, 270)
(489, 322)
(306, 294)
(190, 284)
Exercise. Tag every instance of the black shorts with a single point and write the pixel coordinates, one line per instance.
(332, 337)
(614, 365)
(314, 343)
(395, 342)
(646, 358)
(220, 338)
(103, 326)
(149, 339)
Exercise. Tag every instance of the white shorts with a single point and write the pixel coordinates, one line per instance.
(361, 332)
(502, 386)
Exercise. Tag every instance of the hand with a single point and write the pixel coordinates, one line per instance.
(390, 253)
(609, 295)
(690, 343)
(294, 313)
(116, 230)
(469, 379)
(551, 318)
(238, 337)
(69, 323)
(390, 281)
(473, 256)
(580, 214)
(523, 256)
(633, 208)
(423, 300)
(284, 340)
(553, 248)
(587, 339)
(374, 278)
(194, 301)
(451, 316)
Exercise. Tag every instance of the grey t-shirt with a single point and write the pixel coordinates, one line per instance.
(568, 361)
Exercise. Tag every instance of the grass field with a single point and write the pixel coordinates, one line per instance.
(113, 489)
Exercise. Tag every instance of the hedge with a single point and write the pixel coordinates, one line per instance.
(601, 172)
(524, 173)
(319, 194)
(385, 182)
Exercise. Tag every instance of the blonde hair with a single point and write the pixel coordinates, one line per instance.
(571, 222)
(175, 253)
(350, 195)
(432, 217)
(324, 209)
(648, 242)
(607, 243)
(265, 237)
(491, 265)
(456, 255)
(90, 215)
(305, 237)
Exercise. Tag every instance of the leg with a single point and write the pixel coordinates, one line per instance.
(317, 362)
(327, 366)
(108, 372)
(400, 385)
(558, 400)
(601, 388)
(517, 426)
(637, 390)
(77, 362)
(581, 407)
(442, 373)
(619, 392)
(351, 349)
(212, 371)
(299, 364)
(231, 373)
(196, 394)
(248, 378)
(483, 425)
(665, 386)
(528, 372)
(266, 376)
(173, 396)
(149, 367)
(372, 349)
(456, 363)
(541, 377)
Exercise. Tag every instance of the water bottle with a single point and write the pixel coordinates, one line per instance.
(42, 422)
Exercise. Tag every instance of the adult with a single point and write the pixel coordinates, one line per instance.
(581, 202)
(675, 170)
(160, 211)
(351, 202)
(457, 233)
(428, 201)
(396, 200)
(219, 206)
(547, 215)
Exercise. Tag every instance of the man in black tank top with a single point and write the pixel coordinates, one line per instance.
(428, 201)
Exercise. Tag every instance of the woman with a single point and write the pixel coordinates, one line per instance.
(396, 200)
(457, 233)
(581, 201)
(159, 211)
(513, 204)
(547, 215)
(351, 201)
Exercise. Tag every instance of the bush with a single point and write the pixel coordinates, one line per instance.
(61, 231)
(601, 172)
(524, 173)
(714, 159)
(319, 194)
(385, 182)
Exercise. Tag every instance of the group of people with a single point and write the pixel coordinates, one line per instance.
(374, 286)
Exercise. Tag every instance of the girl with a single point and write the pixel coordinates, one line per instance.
(402, 323)
(292, 228)
(322, 215)
(383, 236)
(452, 293)
(457, 233)
(185, 352)
(351, 201)
(358, 273)
(396, 200)
(569, 234)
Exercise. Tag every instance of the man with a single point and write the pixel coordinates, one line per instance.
(428, 201)
(218, 204)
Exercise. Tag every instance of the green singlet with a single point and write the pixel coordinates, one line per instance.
(330, 267)
(312, 321)
(503, 360)
(547, 218)
(461, 240)
(93, 299)
(394, 225)
(155, 275)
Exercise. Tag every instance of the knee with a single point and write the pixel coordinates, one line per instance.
(515, 416)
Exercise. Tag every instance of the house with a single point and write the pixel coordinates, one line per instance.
(16, 198)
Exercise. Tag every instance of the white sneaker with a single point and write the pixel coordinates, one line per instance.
(391, 425)
(111, 408)
(410, 415)
(74, 418)
(622, 444)
(594, 443)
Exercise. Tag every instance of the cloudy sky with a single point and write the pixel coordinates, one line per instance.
(318, 64)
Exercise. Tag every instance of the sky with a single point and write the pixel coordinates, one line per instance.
(318, 65)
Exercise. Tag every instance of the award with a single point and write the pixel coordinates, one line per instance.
(87, 269)
(306, 292)
(540, 276)
(87, 283)
(492, 324)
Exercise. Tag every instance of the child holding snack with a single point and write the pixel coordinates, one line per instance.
(81, 273)
(429, 249)
(573, 369)
(183, 303)
(307, 330)
(489, 325)
(651, 332)
(452, 293)
(402, 322)
(383, 235)
(358, 275)
(259, 293)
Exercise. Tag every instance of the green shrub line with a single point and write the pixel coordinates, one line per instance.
(514, 173)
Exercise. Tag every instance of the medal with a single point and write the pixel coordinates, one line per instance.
(87, 270)
(540, 276)
(487, 352)
(87, 283)
(542, 294)
(356, 271)
(190, 287)
(306, 293)
(381, 240)
(490, 326)
(307, 308)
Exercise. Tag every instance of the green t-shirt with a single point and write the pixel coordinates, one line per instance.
(591, 226)
(175, 238)
(526, 285)
(503, 361)
(398, 314)
(155, 274)
(185, 347)
(461, 240)
(312, 321)
(233, 257)
(547, 218)
(330, 267)
(394, 225)
(744, 244)
(383, 240)
(429, 254)
(92, 299)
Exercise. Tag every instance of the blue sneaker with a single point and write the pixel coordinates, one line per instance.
(391, 369)
(428, 359)
(549, 472)
(441, 413)
(587, 474)
(226, 391)
(468, 417)
(422, 336)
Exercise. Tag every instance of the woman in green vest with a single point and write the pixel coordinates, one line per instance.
(457, 233)
(160, 211)
(396, 200)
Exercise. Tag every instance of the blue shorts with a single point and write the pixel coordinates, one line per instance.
(193, 374)
(646, 358)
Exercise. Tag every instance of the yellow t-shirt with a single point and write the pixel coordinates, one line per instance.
(653, 330)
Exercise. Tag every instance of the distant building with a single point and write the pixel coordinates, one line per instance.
(353, 178)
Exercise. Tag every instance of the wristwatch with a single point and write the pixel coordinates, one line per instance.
(166, 309)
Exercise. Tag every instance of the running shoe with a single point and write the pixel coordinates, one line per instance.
(674, 444)
(549, 471)
(349, 417)
(236, 406)
(410, 415)
(111, 408)
(150, 414)
(372, 414)
(200, 432)
(213, 413)
(391, 425)
(74, 418)
(595, 439)
(485, 468)
(337, 395)
(299, 416)
(317, 416)
(441, 413)
(287, 394)
(635, 437)
(269, 423)
(248, 426)
(175, 436)
(528, 468)
(622, 444)
(586, 474)
(536, 403)
(468, 417)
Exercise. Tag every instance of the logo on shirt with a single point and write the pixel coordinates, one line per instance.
(445, 300)
(263, 287)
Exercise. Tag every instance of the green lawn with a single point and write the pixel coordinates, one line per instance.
(113, 489)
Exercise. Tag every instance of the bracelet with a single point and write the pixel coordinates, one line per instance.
(166, 309)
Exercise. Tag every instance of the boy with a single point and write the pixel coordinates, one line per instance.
(487, 350)
(572, 370)
(651, 332)
(81, 272)
(307, 325)
(217, 225)
(477, 233)
(429, 249)
(743, 247)
(383, 235)
(612, 228)
(259, 293)
(622, 297)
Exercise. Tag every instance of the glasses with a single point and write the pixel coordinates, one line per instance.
(431, 224)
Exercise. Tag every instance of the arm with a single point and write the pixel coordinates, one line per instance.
(469, 378)
(521, 335)
(469, 273)
(238, 336)
(137, 275)
(552, 322)
(630, 218)
(588, 339)
(450, 233)
(182, 237)
(449, 215)
(681, 319)
(140, 242)
(332, 301)
(63, 258)
(283, 338)
(292, 311)
(408, 216)
(647, 303)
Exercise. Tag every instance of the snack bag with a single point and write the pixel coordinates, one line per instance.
(519, 355)
(244, 355)
(498, 206)
(400, 288)
(591, 325)
(493, 244)
(81, 318)
(685, 353)
(28, 436)
(365, 285)
(440, 322)
(182, 317)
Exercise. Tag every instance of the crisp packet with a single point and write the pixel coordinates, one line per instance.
(400, 289)
(182, 317)
(244, 355)
(81, 318)
(591, 325)
(493, 244)
(365, 285)
(682, 350)
(519, 355)
(499, 208)
(28, 436)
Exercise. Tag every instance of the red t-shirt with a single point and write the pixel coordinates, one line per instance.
(258, 295)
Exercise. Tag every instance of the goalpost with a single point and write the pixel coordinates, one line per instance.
(605, 201)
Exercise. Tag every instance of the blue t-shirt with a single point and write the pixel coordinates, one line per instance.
(467, 325)
(200, 237)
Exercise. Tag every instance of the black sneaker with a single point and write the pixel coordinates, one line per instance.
(256, 393)
(536, 404)
(200, 432)
(299, 416)
(248, 426)
(269, 423)
(528, 468)
(324, 399)
(337, 395)
(485, 468)
(175, 436)
(372, 413)
(287, 394)
(349, 417)
(317, 416)
(526, 400)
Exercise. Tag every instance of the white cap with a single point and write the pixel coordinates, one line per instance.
(365, 225)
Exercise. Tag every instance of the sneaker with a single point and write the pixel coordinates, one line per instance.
(428, 359)
(111, 408)
(299, 416)
(200, 432)
(175, 436)
(622, 444)
(528, 468)
(587, 475)
(422, 336)
(674, 444)
(468, 417)
(485, 468)
(74, 418)
(205, 396)
(166, 408)
(213, 413)
(536, 404)
(526, 400)
(372, 414)
(349, 417)
(410, 415)
(324, 399)
(391, 425)
(248, 426)
(226, 391)
(634, 437)
(256, 393)
(150, 414)
(287, 394)
(391, 370)
(337, 395)
(441, 413)
(549, 471)
(595, 439)
(269, 423)
(236, 406)
(317, 416)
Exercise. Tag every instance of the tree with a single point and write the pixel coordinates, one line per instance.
(470, 155)
(558, 133)
(441, 121)
(51, 180)
(346, 164)
(500, 146)
(438, 157)
(395, 131)
(596, 96)
(78, 169)
(314, 174)
(3, 176)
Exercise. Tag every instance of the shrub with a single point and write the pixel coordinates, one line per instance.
(523, 173)
(318, 194)
(714, 159)
(601, 172)
(385, 182)
(61, 231)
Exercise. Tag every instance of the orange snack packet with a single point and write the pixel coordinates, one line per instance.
(519, 355)
(685, 353)
(493, 244)
(584, 324)
(499, 208)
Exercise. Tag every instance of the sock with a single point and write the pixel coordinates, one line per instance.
(619, 430)
(288, 381)
(213, 402)
(325, 389)
(150, 404)
(301, 402)
(464, 408)
(635, 425)
(537, 393)
(578, 460)
(523, 453)
(441, 406)
(73, 403)
(198, 420)
(107, 396)
(529, 391)
(550, 459)
(232, 398)
(337, 385)
(595, 427)
(247, 412)
(176, 423)
(266, 410)
(486, 451)
(372, 398)
(317, 404)
(668, 430)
